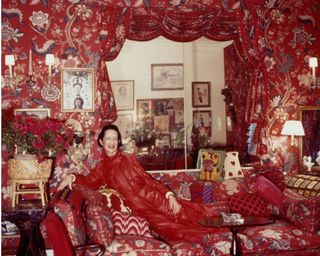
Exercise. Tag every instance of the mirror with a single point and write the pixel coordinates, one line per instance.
(309, 145)
(163, 109)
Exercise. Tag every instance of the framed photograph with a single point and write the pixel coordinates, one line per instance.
(163, 141)
(200, 94)
(77, 89)
(123, 92)
(36, 112)
(143, 108)
(125, 125)
(166, 76)
(202, 121)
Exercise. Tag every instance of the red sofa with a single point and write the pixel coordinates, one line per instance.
(296, 229)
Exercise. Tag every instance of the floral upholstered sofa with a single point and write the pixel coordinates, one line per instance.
(295, 231)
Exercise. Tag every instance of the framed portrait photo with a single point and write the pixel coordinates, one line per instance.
(77, 89)
(202, 121)
(125, 125)
(123, 92)
(35, 112)
(200, 94)
(167, 76)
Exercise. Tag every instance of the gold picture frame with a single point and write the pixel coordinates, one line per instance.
(77, 89)
(37, 112)
(123, 92)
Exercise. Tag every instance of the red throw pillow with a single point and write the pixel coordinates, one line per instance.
(128, 224)
(114, 200)
(302, 212)
(249, 205)
(99, 226)
(268, 191)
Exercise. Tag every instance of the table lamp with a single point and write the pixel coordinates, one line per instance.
(293, 128)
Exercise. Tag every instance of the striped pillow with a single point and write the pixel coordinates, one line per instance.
(128, 224)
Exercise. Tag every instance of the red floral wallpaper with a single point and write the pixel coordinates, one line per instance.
(289, 33)
(273, 39)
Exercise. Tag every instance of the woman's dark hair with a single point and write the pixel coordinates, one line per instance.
(109, 127)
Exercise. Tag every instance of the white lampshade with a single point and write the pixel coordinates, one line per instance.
(313, 62)
(9, 60)
(49, 59)
(293, 128)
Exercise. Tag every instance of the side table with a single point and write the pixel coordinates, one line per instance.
(27, 216)
(217, 222)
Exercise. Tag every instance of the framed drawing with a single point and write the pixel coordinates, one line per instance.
(77, 89)
(202, 121)
(125, 125)
(166, 76)
(143, 108)
(200, 94)
(36, 112)
(123, 92)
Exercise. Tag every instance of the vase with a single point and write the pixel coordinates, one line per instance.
(26, 169)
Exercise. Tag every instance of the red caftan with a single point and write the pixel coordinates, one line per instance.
(146, 197)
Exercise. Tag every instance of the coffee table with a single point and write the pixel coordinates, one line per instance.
(217, 222)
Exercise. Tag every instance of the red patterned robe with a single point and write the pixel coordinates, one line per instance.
(146, 197)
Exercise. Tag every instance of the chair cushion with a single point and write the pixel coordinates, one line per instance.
(128, 224)
(302, 212)
(268, 191)
(249, 205)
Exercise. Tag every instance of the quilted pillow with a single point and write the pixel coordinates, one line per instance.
(232, 168)
(128, 224)
(210, 162)
(99, 225)
(302, 212)
(249, 205)
(268, 191)
(114, 200)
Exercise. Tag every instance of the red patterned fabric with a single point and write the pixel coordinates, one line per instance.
(138, 246)
(302, 212)
(249, 205)
(268, 191)
(280, 238)
(274, 173)
(72, 219)
(99, 225)
(128, 224)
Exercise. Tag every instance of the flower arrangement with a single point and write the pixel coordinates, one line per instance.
(32, 135)
(144, 133)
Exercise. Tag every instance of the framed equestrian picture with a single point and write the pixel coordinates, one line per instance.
(200, 94)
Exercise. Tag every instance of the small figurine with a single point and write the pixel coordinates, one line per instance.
(307, 161)
(318, 158)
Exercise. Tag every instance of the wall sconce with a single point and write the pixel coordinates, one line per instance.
(9, 61)
(313, 63)
(293, 128)
(49, 63)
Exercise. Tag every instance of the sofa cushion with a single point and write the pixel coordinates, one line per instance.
(302, 212)
(280, 238)
(249, 205)
(128, 224)
(114, 200)
(268, 191)
(208, 192)
(305, 185)
(232, 167)
(210, 162)
(272, 172)
(138, 246)
(99, 225)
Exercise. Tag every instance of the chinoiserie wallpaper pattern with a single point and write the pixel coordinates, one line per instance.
(266, 69)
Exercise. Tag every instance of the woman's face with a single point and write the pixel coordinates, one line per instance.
(110, 142)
